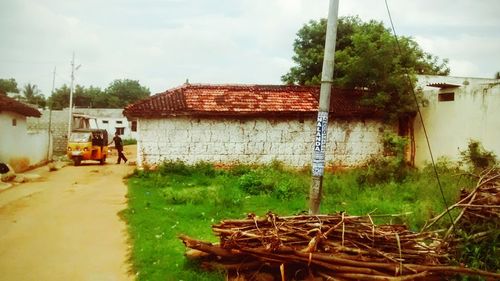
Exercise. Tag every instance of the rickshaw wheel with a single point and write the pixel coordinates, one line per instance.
(77, 161)
(103, 160)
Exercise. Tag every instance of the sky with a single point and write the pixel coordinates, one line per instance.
(162, 43)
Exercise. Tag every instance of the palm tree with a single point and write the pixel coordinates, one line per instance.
(33, 95)
(30, 91)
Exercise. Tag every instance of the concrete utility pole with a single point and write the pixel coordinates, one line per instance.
(318, 161)
(50, 114)
(70, 118)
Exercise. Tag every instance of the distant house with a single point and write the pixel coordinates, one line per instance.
(253, 124)
(110, 119)
(19, 147)
(459, 109)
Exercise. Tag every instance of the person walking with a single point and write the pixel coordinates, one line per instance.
(119, 148)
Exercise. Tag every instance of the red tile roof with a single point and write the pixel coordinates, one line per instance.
(246, 100)
(12, 105)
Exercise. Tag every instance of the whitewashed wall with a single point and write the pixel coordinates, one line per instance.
(111, 124)
(20, 148)
(110, 119)
(254, 141)
(474, 114)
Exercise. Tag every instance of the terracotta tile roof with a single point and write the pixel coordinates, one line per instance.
(12, 105)
(246, 100)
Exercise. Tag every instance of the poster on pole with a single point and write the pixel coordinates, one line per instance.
(318, 163)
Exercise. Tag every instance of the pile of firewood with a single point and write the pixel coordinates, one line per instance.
(482, 205)
(324, 247)
(478, 207)
(342, 247)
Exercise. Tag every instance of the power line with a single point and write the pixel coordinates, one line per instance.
(420, 116)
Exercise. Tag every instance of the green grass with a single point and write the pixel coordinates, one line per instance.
(129, 141)
(181, 199)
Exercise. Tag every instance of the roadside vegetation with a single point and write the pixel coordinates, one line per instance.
(187, 199)
(129, 141)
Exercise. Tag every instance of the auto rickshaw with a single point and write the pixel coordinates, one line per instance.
(88, 144)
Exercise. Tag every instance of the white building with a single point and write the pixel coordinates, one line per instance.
(460, 109)
(20, 148)
(112, 120)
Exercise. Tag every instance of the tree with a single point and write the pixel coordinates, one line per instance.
(366, 57)
(121, 93)
(32, 95)
(97, 97)
(497, 75)
(8, 86)
(81, 97)
(60, 97)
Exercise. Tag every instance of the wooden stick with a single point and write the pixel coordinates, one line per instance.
(453, 270)
(206, 247)
(357, 276)
(294, 258)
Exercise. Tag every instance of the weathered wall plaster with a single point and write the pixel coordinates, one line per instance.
(219, 140)
(19, 147)
(473, 114)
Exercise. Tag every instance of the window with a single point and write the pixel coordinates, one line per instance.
(105, 121)
(446, 96)
(133, 126)
(14, 122)
(119, 121)
(120, 131)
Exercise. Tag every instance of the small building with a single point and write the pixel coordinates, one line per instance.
(459, 109)
(110, 119)
(253, 124)
(19, 147)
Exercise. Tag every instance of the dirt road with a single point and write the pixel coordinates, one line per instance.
(66, 226)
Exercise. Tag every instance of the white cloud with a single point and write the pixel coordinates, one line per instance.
(469, 55)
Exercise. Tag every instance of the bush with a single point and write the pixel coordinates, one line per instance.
(477, 158)
(287, 189)
(391, 167)
(204, 168)
(240, 169)
(480, 253)
(129, 141)
(252, 183)
(174, 167)
(178, 167)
